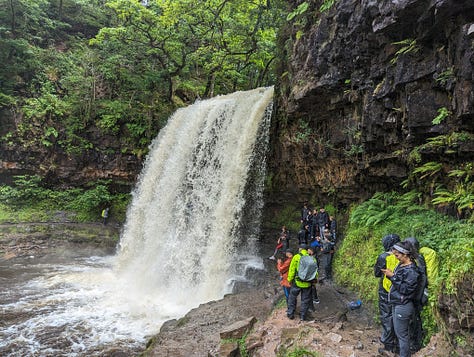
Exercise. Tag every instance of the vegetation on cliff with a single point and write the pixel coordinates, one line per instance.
(30, 200)
(93, 79)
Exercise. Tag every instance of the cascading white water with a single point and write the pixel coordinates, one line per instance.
(194, 213)
(181, 233)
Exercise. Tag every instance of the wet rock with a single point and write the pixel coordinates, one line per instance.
(229, 349)
(238, 329)
(334, 337)
(363, 101)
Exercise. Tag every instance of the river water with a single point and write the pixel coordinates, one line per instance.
(190, 235)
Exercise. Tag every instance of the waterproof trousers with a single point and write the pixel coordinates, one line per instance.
(388, 337)
(402, 315)
(326, 260)
(306, 297)
(416, 329)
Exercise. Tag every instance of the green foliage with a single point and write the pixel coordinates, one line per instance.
(326, 5)
(446, 76)
(303, 134)
(354, 150)
(301, 9)
(27, 191)
(428, 169)
(297, 352)
(362, 244)
(28, 200)
(290, 217)
(443, 113)
(90, 203)
(142, 62)
(408, 46)
(241, 342)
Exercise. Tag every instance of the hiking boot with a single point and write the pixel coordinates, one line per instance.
(385, 352)
(271, 258)
(291, 317)
(316, 301)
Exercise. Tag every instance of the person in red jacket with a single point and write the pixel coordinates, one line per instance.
(283, 267)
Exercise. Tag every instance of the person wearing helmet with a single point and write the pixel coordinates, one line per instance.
(386, 260)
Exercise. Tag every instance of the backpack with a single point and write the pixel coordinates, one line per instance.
(307, 268)
(431, 261)
(421, 293)
(390, 263)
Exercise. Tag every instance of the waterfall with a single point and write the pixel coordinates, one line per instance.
(195, 211)
(190, 235)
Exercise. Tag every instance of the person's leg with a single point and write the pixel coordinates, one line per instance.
(324, 263)
(305, 302)
(314, 294)
(321, 231)
(416, 329)
(401, 322)
(388, 337)
(327, 268)
(294, 292)
(286, 291)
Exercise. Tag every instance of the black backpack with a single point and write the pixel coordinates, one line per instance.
(421, 293)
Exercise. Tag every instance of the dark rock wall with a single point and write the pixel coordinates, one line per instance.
(350, 106)
(104, 160)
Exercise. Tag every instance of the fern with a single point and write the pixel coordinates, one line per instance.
(327, 4)
(443, 113)
(301, 9)
(409, 46)
(428, 169)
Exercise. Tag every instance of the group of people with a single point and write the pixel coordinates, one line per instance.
(404, 270)
(403, 291)
(316, 239)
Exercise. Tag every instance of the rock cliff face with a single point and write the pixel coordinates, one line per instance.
(360, 88)
(103, 161)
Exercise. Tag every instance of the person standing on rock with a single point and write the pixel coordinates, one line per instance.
(303, 235)
(327, 252)
(298, 286)
(322, 220)
(283, 267)
(105, 215)
(405, 281)
(305, 211)
(386, 260)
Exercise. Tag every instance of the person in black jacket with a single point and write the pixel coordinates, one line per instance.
(388, 337)
(405, 280)
(322, 220)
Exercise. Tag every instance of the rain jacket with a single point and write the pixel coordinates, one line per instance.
(404, 284)
(283, 268)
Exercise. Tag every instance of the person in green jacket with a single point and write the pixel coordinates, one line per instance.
(298, 287)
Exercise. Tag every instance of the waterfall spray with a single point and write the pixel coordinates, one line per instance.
(184, 226)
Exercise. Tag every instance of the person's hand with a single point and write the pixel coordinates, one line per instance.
(279, 261)
(388, 273)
